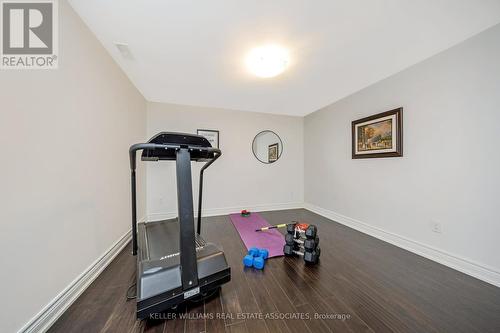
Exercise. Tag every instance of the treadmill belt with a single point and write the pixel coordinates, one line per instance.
(161, 239)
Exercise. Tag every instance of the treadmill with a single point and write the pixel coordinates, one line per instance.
(175, 264)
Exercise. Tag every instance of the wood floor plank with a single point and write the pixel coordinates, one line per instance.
(238, 328)
(267, 305)
(195, 321)
(283, 303)
(178, 324)
(318, 296)
(213, 308)
(382, 287)
(152, 326)
(287, 276)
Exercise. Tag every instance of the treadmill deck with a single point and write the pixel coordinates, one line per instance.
(159, 285)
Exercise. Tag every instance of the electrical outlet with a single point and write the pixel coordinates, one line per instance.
(436, 226)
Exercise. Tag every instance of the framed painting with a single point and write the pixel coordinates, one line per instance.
(272, 153)
(380, 135)
(211, 135)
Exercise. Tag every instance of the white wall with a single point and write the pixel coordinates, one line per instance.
(450, 171)
(237, 180)
(65, 187)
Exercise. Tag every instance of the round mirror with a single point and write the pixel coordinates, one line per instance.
(267, 147)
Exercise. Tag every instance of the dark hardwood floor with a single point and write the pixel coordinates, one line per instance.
(381, 288)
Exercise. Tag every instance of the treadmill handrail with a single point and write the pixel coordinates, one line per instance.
(200, 191)
(141, 146)
(133, 163)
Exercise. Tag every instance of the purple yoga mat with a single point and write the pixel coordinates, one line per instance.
(272, 240)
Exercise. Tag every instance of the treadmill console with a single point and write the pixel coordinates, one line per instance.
(183, 140)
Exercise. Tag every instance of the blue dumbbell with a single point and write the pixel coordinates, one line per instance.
(254, 251)
(258, 262)
(264, 253)
(256, 258)
(248, 260)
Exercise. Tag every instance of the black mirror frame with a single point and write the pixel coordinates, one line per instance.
(281, 142)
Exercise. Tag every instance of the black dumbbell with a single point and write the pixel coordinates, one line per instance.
(295, 243)
(290, 228)
(312, 257)
(311, 231)
(311, 243)
(288, 250)
(289, 239)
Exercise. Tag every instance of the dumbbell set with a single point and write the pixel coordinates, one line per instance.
(304, 243)
(256, 258)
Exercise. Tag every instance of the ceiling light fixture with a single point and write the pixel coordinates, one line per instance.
(267, 61)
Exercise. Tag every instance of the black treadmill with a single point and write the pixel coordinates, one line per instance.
(175, 264)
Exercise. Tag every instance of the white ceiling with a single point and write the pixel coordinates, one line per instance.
(192, 52)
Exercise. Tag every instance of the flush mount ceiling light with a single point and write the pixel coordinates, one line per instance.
(267, 61)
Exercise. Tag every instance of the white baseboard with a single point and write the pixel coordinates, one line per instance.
(50, 313)
(480, 271)
(228, 210)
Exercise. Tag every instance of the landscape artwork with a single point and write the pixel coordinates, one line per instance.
(375, 136)
(379, 135)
